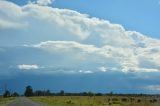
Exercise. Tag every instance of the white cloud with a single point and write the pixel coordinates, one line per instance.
(81, 39)
(107, 57)
(66, 46)
(44, 2)
(153, 87)
(28, 67)
(86, 71)
(11, 15)
(103, 69)
(9, 24)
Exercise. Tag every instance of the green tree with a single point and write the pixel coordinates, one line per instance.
(7, 94)
(62, 93)
(29, 91)
(48, 93)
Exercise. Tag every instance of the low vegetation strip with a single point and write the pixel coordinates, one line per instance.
(97, 101)
(6, 100)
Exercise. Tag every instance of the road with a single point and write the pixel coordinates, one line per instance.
(24, 102)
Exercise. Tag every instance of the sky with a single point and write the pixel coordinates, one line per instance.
(141, 16)
(80, 45)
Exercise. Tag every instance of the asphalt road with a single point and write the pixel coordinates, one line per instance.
(24, 102)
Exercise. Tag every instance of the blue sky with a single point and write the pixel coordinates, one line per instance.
(86, 42)
(136, 15)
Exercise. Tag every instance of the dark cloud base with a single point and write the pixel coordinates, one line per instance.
(97, 82)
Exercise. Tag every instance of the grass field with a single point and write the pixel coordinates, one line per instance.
(98, 101)
(6, 100)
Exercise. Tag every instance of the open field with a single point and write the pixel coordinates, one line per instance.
(98, 100)
(6, 100)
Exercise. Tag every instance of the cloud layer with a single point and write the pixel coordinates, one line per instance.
(78, 41)
(27, 67)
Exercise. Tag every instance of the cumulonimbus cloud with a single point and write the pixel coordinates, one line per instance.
(86, 40)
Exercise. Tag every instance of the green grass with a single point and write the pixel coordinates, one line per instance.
(6, 100)
(95, 101)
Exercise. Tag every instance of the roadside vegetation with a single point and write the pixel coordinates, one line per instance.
(97, 101)
(8, 97)
(6, 100)
(63, 98)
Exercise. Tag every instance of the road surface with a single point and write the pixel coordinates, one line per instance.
(24, 102)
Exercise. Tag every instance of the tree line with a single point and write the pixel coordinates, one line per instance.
(29, 92)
